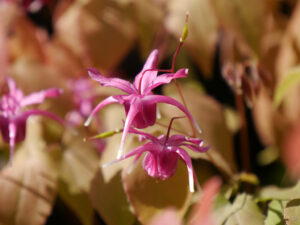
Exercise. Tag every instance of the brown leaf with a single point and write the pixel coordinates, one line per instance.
(150, 196)
(101, 32)
(288, 57)
(28, 188)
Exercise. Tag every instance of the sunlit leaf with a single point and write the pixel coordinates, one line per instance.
(243, 211)
(275, 213)
(291, 80)
(79, 164)
(101, 32)
(28, 188)
(292, 212)
(273, 192)
(150, 196)
(80, 203)
(107, 193)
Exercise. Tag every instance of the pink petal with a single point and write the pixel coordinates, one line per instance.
(167, 217)
(202, 212)
(12, 127)
(149, 76)
(166, 78)
(28, 113)
(136, 151)
(133, 111)
(13, 89)
(187, 160)
(144, 134)
(105, 102)
(121, 84)
(196, 148)
(39, 97)
(165, 99)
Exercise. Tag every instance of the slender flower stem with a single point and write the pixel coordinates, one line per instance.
(244, 142)
(170, 125)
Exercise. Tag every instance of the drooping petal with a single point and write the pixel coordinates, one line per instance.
(121, 84)
(196, 148)
(134, 109)
(105, 102)
(12, 127)
(187, 160)
(136, 151)
(144, 134)
(31, 112)
(13, 89)
(165, 99)
(166, 78)
(144, 79)
(39, 97)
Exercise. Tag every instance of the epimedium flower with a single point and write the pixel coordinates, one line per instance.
(13, 117)
(163, 153)
(139, 101)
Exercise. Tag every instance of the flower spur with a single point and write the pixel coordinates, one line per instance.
(13, 119)
(163, 152)
(139, 102)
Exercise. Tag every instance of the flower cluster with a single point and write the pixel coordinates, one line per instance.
(13, 118)
(140, 105)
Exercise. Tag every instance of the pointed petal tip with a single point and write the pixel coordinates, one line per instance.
(88, 122)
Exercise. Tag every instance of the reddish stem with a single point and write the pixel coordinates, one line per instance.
(244, 142)
(169, 128)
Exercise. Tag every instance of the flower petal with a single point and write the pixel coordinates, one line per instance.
(187, 160)
(149, 76)
(136, 151)
(13, 89)
(12, 127)
(144, 134)
(39, 97)
(31, 112)
(105, 102)
(121, 84)
(166, 78)
(133, 111)
(171, 101)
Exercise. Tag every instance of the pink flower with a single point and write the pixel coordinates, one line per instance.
(13, 119)
(29, 5)
(139, 101)
(82, 98)
(163, 153)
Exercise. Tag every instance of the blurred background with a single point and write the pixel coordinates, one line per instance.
(243, 89)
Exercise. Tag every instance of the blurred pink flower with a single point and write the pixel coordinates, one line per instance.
(167, 217)
(82, 97)
(202, 212)
(163, 154)
(29, 5)
(139, 102)
(13, 119)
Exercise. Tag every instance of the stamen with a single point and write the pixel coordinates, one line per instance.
(169, 128)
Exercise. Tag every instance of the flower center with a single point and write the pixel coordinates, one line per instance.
(9, 106)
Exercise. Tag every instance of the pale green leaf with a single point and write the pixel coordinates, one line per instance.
(273, 192)
(275, 213)
(29, 186)
(292, 212)
(291, 80)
